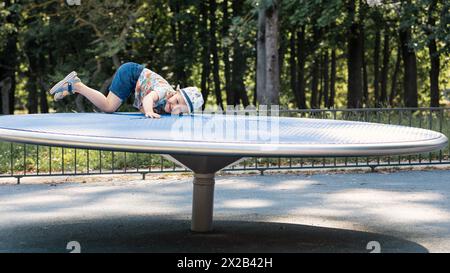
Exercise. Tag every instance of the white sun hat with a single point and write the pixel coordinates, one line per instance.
(193, 98)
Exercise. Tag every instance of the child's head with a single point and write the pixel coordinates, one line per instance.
(185, 100)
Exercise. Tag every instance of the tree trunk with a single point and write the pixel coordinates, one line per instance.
(8, 59)
(325, 87)
(42, 85)
(434, 57)
(293, 67)
(43, 103)
(281, 50)
(5, 88)
(173, 33)
(315, 69)
(385, 68)
(434, 73)
(239, 64)
(301, 55)
(206, 64)
(31, 87)
(272, 58)
(394, 76)
(320, 88)
(32, 82)
(366, 99)
(215, 55)
(332, 79)
(376, 68)
(354, 62)
(184, 39)
(314, 84)
(410, 69)
(226, 54)
(261, 57)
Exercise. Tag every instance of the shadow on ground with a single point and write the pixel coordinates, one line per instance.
(158, 234)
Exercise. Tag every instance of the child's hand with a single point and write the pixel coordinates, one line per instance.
(152, 115)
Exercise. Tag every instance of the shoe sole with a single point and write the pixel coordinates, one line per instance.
(59, 96)
(71, 75)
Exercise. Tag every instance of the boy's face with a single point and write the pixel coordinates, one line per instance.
(175, 104)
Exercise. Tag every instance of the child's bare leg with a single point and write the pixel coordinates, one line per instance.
(106, 104)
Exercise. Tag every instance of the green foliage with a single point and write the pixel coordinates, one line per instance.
(95, 37)
(6, 27)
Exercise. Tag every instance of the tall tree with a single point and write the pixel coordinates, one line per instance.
(301, 55)
(365, 78)
(376, 67)
(272, 57)
(182, 25)
(395, 75)
(363, 11)
(214, 51)
(325, 87)
(261, 54)
(226, 53)
(32, 83)
(385, 69)
(239, 63)
(410, 95)
(315, 69)
(206, 62)
(409, 69)
(354, 59)
(332, 80)
(9, 59)
(272, 66)
(433, 53)
(293, 66)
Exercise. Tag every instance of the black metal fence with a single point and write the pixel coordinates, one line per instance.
(20, 160)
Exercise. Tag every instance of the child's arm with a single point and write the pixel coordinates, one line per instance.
(147, 104)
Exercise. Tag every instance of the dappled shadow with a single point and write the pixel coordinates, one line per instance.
(162, 234)
(412, 205)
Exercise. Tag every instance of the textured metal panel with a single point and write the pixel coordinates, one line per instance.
(219, 134)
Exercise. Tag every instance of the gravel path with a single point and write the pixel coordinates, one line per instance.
(407, 211)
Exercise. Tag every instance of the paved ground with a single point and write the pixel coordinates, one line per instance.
(407, 211)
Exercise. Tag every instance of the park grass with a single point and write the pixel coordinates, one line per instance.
(25, 159)
(22, 159)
